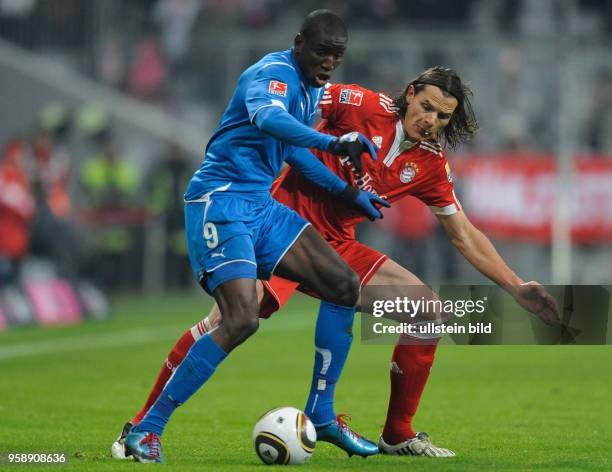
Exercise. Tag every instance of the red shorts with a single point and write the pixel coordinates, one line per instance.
(364, 260)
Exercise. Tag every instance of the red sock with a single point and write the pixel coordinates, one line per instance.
(410, 368)
(174, 359)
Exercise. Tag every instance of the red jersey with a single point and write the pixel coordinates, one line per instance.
(402, 168)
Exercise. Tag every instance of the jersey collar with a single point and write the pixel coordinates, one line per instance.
(400, 144)
(404, 142)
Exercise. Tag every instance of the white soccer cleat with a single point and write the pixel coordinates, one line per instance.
(118, 447)
(418, 446)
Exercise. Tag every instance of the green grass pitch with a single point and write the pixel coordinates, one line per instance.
(517, 408)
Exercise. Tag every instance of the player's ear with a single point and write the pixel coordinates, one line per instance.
(409, 93)
(298, 43)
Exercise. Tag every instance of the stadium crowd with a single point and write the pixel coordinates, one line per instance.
(75, 216)
(155, 51)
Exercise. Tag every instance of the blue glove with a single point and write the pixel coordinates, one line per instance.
(364, 201)
(352, 145)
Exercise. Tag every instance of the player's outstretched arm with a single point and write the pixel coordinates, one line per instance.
(278, 123)
(480, 252)
(313, 169)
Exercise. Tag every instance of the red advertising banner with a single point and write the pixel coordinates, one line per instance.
(514, 196)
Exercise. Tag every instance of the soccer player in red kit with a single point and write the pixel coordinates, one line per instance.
(411, 131)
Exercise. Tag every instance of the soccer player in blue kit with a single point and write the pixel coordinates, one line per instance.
(237, 233)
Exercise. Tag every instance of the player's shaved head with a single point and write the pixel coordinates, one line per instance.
(323, 21)
(319, 46)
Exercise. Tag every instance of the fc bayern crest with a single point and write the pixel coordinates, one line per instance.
(408, 173)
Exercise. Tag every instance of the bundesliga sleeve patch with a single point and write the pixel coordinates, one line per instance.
(277, 88)
(351, 97)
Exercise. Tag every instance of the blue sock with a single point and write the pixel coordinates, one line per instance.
(333, 338)
(199, 364)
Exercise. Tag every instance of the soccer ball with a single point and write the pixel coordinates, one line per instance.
(284, 436)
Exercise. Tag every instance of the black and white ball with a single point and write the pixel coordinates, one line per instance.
(284, 436)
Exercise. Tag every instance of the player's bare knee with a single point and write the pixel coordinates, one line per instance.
(243, 327)
(251, 326)
(348, 289)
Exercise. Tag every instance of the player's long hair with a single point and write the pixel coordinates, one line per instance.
(463, 124)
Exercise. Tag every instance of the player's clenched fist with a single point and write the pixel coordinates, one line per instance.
(352, 145)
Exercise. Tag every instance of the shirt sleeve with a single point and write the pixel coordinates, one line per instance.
(268, 101)
(327, 105)
(273, 86)
(314, 170)
(284, 127)
(344, 105)
(440, 197)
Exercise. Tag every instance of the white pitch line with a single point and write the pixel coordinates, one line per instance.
(88, 342)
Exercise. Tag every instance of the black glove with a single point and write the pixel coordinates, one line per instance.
(364, 202)
(352, 145)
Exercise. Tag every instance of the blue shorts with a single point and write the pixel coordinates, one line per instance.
(234, 236)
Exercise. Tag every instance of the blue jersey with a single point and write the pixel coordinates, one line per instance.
(241, 154)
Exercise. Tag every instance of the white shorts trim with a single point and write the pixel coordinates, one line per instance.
(268, 286)
(371, 269)
(230, 262)
(289, 247)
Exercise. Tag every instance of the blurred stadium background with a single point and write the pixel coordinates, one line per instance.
(107, 107)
